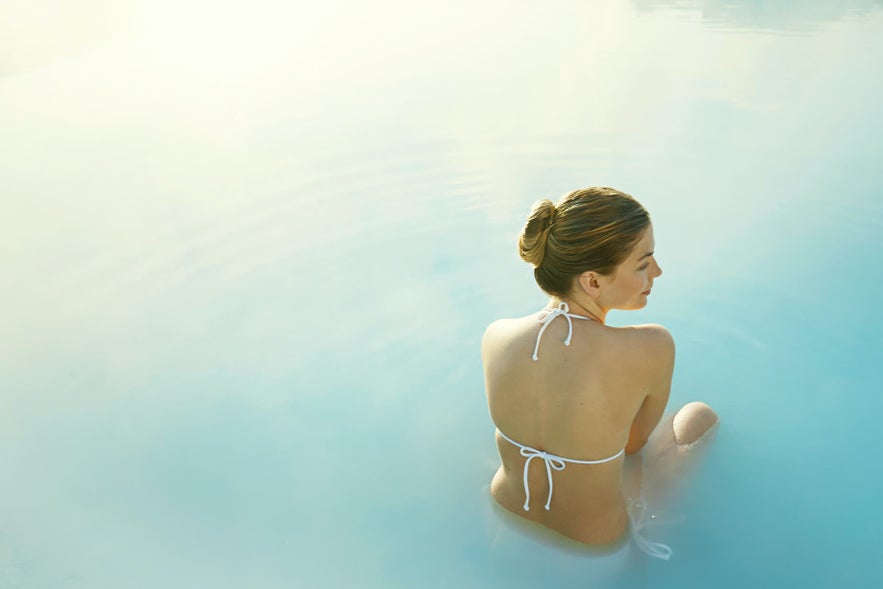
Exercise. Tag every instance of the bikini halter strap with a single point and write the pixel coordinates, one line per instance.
(546, 318)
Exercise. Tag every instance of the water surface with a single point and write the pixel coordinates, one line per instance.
(249, 252)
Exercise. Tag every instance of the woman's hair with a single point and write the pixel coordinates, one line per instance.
(589, 229)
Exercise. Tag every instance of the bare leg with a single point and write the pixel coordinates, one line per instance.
(650, 476)
(673, 447)
(692, 422)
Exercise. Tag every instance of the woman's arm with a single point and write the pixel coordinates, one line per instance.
(659, 360)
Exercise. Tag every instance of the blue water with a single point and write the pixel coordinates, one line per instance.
(247, 252)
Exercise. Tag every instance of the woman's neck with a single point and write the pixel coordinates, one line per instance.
(582, 306)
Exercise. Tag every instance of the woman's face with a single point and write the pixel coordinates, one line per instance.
(633, 279)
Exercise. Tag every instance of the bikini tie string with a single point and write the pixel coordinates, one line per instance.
(551, 462)
(561, 309)
(639, 524)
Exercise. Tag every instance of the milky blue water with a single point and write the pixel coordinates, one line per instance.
(247, 252)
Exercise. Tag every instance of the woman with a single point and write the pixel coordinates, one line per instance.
(570, 395)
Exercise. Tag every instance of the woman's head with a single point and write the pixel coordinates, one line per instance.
(589, 229)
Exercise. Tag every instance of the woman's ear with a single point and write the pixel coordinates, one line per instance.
(590, 283)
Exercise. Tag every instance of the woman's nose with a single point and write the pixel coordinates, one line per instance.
(658, 269)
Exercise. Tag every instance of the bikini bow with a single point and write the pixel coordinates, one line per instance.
(551, 462)
(561, 309)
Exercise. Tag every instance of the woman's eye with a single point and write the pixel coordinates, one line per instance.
(642, 267)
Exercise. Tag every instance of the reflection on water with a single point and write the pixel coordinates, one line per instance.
(764, 16)
(249, 251)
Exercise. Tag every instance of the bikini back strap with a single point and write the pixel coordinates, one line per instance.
(552, 462)
(546, 318)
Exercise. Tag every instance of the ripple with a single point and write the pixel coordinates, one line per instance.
(801, 18)
(327, 216)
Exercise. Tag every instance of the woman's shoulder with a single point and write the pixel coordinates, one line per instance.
(498, 329)
(648, 340)
(652, 333)
(502, 332)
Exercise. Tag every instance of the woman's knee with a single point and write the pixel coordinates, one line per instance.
(692, 422)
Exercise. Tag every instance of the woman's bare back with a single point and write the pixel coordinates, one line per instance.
(579, 402)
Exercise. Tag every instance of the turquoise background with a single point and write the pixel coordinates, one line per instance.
(248, 250)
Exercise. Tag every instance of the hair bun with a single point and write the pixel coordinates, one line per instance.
(532, 243)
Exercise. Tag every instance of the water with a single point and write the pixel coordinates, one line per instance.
(248, 252)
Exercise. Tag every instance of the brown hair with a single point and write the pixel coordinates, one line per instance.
(589, 229)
